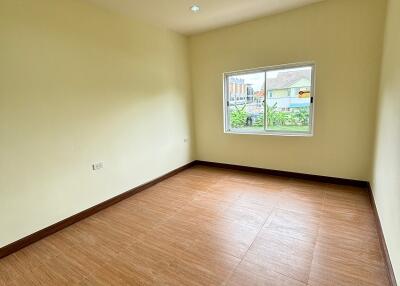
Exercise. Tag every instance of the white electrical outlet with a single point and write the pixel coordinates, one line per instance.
(97, 166)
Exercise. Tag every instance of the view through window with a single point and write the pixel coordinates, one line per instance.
(270, 100)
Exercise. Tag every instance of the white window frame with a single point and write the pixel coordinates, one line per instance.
(226, 118)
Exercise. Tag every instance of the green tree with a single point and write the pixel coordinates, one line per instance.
(272, 114)
(239, 117)
(303, 116)
(259, 121)
(282, 118)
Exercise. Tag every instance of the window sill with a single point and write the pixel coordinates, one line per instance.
(271, 133)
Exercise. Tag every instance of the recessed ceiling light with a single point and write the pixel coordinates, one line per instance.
(195, 8)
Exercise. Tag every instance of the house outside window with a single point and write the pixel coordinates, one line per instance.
(271, 101)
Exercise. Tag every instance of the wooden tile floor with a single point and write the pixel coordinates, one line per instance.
(209, 226)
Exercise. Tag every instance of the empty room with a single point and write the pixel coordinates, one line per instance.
(206, 142)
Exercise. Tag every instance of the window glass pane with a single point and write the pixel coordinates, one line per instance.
(246, 102)
(289, 100)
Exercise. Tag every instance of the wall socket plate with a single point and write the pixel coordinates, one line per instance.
(97, 166)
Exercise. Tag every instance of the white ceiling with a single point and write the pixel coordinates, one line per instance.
(176, 15)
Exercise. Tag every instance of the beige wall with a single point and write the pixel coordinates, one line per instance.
(78, 85)
(344, 39)
(386, 169)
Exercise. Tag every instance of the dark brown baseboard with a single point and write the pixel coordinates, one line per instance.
(392, 277)
(317, 178)
(25, 241)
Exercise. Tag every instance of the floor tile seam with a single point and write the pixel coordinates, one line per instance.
(317, 237)
(278, 272)
(245, 253)
(347, 274)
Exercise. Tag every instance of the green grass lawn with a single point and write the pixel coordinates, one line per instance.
(273, 128)
(289, 128)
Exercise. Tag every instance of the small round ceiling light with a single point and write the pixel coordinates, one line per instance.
(195, 8)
